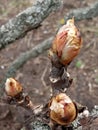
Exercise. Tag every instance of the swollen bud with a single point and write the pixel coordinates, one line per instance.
(12, 87)
(67, 42)
(62, 110)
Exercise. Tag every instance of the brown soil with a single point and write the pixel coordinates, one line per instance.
(84, 69)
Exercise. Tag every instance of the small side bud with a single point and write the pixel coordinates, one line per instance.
(12, 87)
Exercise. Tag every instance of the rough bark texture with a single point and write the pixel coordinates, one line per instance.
(84, 13)
(27, 20)
(32, 17)
(79, 14)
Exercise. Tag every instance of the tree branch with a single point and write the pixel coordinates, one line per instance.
(79, 14)
(84, 13)
(27, 20)
(32, 17)
(24, 57)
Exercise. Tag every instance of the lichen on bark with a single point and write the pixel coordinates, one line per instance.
(27, 20)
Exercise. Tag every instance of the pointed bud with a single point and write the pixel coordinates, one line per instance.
(67, 42)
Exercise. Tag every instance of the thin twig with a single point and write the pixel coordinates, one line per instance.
(43, 75)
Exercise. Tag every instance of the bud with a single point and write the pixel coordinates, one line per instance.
(62, 110)
(12, 87)
(67, 42)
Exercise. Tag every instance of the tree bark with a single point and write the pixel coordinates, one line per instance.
(79, 14)
(84, 13)
(24, 57)
(32, 17)
(27, 20)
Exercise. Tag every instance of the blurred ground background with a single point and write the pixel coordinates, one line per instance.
(84, 69)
